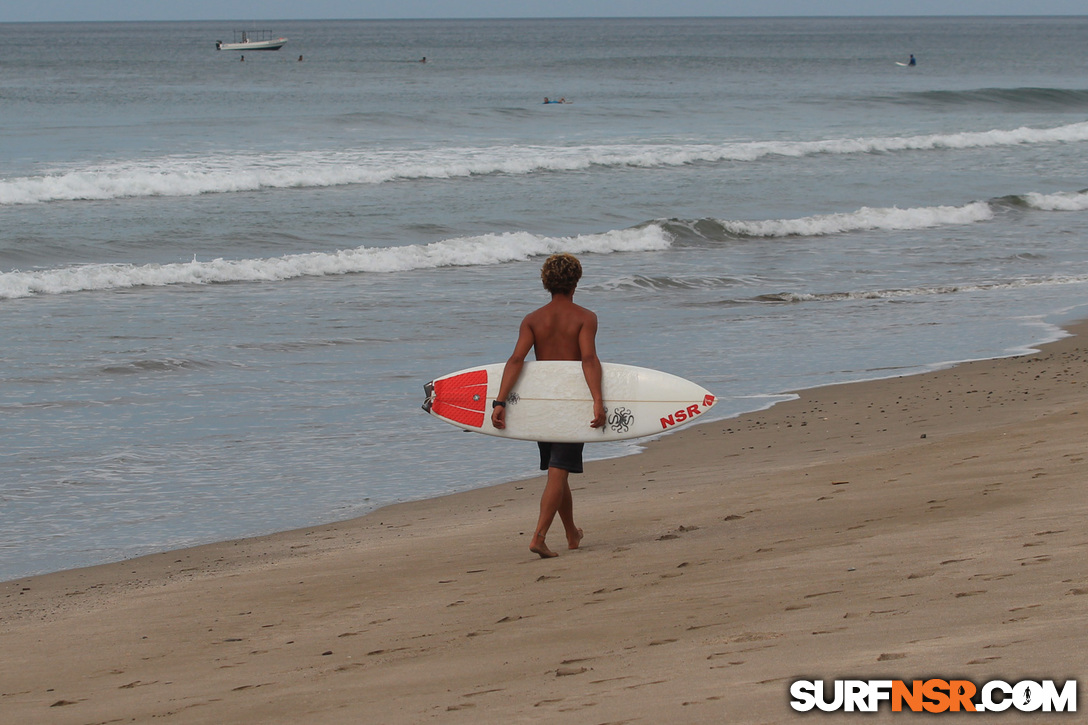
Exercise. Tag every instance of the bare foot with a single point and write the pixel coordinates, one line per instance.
(573, 543)
(542, 550)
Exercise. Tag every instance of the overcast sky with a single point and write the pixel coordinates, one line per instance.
(150, 10)
(73, 10)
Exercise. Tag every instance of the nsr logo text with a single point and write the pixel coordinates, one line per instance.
(687, 413)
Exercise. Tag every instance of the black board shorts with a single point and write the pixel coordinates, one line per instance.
(567, 456)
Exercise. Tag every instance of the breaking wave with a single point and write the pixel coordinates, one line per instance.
(873, 218)
(193, 175)
(1061, 201)
(487, 249)
(866, 218)
(492, 249)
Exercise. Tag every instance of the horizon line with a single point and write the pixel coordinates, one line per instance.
(557, 17)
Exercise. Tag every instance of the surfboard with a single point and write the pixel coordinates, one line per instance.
(551, 402)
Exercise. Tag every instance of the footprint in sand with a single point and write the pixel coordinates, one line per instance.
(570, 671)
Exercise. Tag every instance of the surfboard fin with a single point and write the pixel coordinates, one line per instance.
(428, 390)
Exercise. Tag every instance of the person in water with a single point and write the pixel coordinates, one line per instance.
(560, 330)
(912, 61)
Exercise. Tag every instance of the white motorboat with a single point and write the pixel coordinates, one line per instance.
(252, 40)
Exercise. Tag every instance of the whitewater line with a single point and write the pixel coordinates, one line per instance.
(488, 249)
(890, 294)
(191, 176)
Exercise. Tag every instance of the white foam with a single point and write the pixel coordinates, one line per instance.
(890, 218)
(1061, 201)
(234, 172)
(465, 251)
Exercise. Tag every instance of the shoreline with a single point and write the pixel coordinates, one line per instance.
(926, 525)
(633, 447)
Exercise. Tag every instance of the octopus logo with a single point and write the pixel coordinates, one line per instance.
(620, 420)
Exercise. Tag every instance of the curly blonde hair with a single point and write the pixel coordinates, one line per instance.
(560, 273)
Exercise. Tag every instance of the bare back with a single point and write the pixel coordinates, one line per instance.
(562, 330)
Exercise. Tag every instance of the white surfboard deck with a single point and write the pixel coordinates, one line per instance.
(551, 402)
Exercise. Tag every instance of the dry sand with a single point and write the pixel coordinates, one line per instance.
(914, 527)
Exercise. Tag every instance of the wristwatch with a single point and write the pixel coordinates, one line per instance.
(497, 403)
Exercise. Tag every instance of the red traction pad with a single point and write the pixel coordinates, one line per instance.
(462, 398)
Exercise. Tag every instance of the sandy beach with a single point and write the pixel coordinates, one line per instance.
(915, 527)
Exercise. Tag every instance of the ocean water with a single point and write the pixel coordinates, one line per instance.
(223, 283)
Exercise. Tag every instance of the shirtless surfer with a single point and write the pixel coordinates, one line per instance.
(560, 330)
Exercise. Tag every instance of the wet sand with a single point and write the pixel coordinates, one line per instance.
(925, 526)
